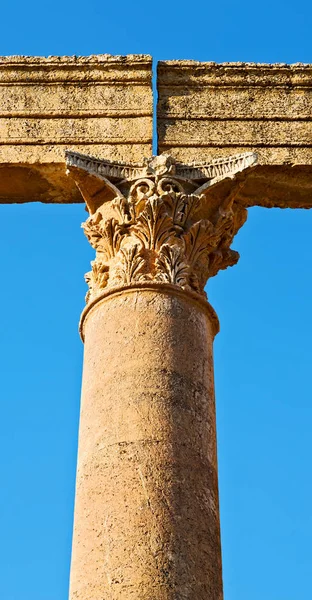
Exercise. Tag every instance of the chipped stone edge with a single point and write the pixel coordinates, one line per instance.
(233, 65)
(17, 60)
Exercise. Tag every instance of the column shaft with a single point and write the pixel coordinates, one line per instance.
(146, 513)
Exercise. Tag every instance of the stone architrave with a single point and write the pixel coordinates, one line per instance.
(206, 109)
(146, 512)
(100, 105)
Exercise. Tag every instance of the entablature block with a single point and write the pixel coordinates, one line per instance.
(100, 105)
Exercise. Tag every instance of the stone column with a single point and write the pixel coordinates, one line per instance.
(146, 512)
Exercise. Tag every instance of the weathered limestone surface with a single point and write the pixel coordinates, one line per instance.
(146, 513)
(207, 110)
(101, 105)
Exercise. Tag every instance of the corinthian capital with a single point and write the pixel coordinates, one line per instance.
(160, 221)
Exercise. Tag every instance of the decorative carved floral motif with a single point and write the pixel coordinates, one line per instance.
(157, 234)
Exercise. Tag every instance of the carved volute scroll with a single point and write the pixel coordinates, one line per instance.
(160, 221)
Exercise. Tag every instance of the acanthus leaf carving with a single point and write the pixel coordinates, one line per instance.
(132, 263)
(183, 206)
(104, 236)
(171, 266)
(156, 230)
(97, 278)
(154, 226)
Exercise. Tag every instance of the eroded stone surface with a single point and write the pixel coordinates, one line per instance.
(146, 512)
(96, 104)
(165, 223)
(208, 109)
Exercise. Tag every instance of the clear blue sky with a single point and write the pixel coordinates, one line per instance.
(262, 355)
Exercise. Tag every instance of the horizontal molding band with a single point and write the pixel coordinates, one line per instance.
(87, 142)
(257, 133)
(236, 85)
(76, 61)
(77, 115)
(75, 83)
(237, 144)
(55, 131)
(90, 81)
(248, 65)
(181, 117)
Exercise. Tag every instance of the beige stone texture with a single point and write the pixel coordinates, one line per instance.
(100, 105)
(161, 225)
(210, 110)
(207, 110)
(146, 512)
